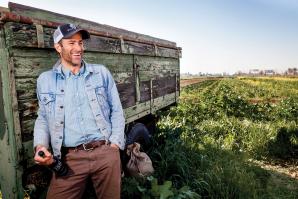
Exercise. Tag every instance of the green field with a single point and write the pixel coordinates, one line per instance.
(228, 138)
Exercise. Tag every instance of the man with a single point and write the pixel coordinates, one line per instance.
(80, 118)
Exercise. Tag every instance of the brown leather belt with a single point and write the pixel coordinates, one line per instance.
(87, 147)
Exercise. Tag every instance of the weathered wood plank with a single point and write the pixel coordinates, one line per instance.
(26, 88)
(145, 91)
(120, 65)
(136, 109)
(114, 62)
(25, 35)
(163, 101)
(147, 75)
(28, 153)
(156, 67)
(33, 53)
(55, 17)
(167, 52)
(10, 170)
(27, 129)
(127, 94)
(32, 66)
(147, 63)
(139, 49)
(103, 44)
(28, 114)
(14, 103)
(164, 85)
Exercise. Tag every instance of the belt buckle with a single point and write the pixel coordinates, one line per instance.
(85, 147)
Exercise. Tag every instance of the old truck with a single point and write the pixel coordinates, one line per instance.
(146, 71)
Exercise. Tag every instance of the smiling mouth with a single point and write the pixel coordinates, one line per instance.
(77, 55)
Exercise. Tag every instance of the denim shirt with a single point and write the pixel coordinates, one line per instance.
(80, 126)
(102, 96)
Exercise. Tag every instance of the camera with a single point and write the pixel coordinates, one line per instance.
(57, 166)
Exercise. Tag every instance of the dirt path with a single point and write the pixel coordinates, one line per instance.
(186, 82)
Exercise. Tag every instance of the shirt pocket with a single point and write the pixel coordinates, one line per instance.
(48, 100)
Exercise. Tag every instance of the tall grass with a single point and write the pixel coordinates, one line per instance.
(205, 143)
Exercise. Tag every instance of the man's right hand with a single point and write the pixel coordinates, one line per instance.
(47, 159)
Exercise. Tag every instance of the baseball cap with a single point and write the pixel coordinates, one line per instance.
(67, 30)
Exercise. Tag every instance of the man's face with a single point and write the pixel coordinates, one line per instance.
(71, 50)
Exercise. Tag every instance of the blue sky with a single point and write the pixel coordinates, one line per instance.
(215, 35)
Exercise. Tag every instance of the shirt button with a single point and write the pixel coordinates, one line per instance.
(60, 137)
(62, 90)
(61, 122)
(61, 107)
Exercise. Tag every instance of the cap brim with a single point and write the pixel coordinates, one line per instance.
(85, 34)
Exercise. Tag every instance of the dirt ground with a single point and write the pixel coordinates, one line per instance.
(186, 82)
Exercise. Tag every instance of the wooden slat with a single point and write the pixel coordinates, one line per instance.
(26, 88)
(33, 63)
(139, 49)
(28, 114)
(147, 63)
(145, 91)
(127, 94)
(10, 170)
(103, 44)
(32, 66)
(25, 35)
(55, 17)
(163, 86)
(147, 75)
(166, 52)
(114, 62)
(137, 109)
(164, 101)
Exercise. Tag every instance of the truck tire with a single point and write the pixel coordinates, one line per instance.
(138, 133)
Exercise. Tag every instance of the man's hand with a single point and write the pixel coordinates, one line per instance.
(114, 146)
(47, 159)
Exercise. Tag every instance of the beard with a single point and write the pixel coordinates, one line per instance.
(71, 58)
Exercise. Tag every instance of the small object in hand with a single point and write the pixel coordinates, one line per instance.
(57, 166)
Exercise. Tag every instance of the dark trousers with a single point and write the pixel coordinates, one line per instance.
(101, 165)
